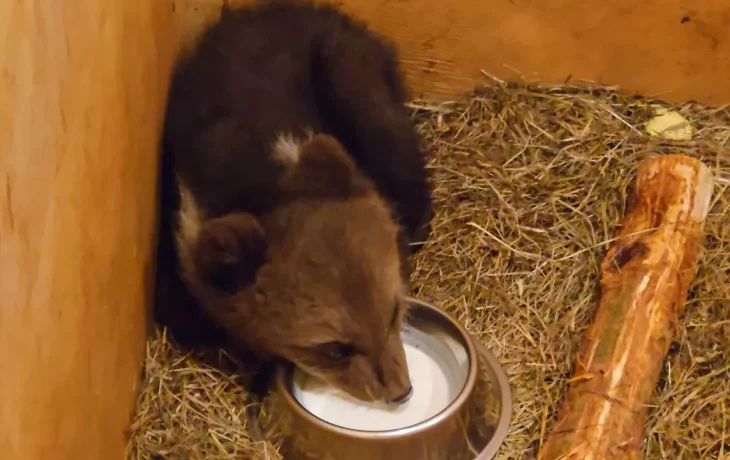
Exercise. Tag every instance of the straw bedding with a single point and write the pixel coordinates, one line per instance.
(530, 185)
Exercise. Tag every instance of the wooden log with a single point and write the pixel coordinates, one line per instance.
(644, 283)
(83, 86)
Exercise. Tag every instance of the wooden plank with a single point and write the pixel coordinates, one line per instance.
(672, 49)
(82, 91)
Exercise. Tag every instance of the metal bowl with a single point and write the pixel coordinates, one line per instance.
(472, 427)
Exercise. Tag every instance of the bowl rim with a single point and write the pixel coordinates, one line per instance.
(456, 405)
(505, 396)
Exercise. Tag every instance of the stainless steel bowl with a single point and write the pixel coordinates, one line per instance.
(472, 427)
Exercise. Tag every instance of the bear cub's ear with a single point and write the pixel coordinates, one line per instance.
(320, 168)
(229, 250)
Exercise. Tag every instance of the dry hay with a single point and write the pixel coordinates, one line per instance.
(530, 187)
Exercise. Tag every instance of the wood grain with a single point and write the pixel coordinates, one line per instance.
(82, 90)
(671, 49)
(645, 277)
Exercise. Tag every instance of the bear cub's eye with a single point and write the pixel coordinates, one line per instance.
(337, 351)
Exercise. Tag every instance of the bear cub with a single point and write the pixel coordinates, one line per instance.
(294, 193)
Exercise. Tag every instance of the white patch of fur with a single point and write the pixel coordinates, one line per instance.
(189, 218)
(286, 148)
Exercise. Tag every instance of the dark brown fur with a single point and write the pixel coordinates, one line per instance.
(302, 258)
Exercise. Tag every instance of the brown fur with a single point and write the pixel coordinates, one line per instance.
(331, 277)
(295, 245)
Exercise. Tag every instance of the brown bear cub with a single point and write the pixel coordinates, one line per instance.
(293, 186)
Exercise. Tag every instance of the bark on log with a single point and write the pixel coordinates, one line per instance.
(644, 283)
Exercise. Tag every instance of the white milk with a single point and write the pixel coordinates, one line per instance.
(437, 375)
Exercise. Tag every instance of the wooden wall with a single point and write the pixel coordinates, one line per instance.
(82, 87)
(672, 49)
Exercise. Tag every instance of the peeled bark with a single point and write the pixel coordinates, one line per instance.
(644, 283)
